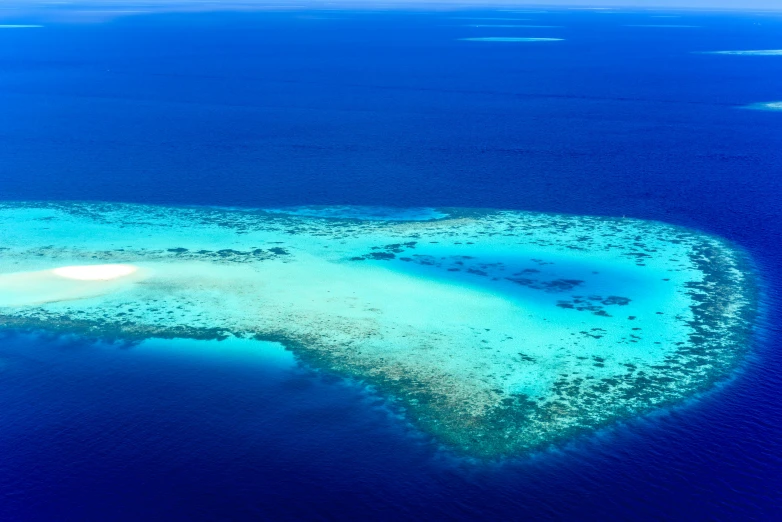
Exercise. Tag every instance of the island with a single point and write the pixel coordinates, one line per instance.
(496, 332)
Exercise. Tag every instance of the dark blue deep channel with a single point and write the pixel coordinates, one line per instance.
(381, 108)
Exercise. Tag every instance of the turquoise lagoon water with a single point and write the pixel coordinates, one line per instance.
(498, 332)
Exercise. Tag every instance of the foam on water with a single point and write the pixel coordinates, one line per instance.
(499, 332)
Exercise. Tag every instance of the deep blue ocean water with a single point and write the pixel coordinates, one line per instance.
(382, 108)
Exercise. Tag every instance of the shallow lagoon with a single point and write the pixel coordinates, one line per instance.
(498, 332)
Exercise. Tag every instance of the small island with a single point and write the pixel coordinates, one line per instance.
(496, 332)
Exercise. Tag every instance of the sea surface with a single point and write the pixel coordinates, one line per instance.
(626, 114)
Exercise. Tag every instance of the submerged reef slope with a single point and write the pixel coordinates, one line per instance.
(498, 332)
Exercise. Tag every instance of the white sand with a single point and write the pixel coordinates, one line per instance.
(66, 283)
(95, 272)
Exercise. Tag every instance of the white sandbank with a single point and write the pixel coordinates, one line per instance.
(95, 272)
(67, 283)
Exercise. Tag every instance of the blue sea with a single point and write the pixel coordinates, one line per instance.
(265, 108)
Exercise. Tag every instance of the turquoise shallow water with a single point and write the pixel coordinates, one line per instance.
(499, 331)
(247, 353)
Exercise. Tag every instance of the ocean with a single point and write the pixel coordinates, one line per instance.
(626, 114)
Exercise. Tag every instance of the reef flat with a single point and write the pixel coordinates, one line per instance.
(497, 332)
